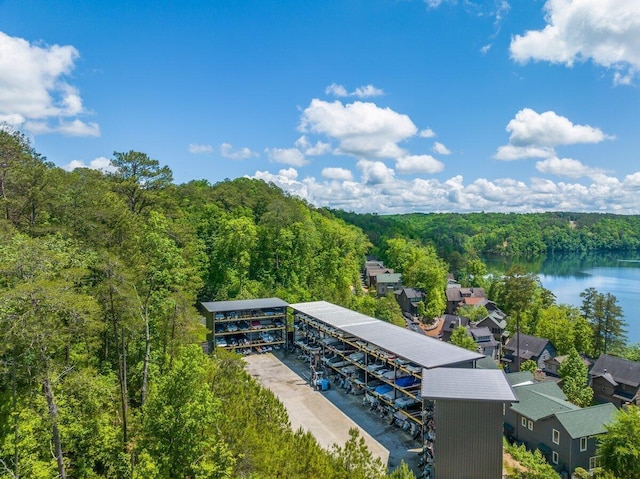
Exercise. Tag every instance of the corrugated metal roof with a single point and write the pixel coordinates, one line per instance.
(422, 350)
(243, 304)
(467, 385)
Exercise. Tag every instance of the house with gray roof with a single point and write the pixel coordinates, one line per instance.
(487, 344)
(408, 299)
(527, 347)
(615, 380)
(451, 322)
(458, 296)
(543, 419)
(552, 366)
(372, 271)
(388, 283)
(496, 322)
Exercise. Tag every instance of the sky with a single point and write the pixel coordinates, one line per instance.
(380, 106)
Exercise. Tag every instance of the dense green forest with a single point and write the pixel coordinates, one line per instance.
(484, 234)
(101, 374)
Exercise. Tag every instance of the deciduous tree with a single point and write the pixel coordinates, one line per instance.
(459, 337)
(573, 372)
(619, 448)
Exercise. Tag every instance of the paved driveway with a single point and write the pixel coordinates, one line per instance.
(308, 408)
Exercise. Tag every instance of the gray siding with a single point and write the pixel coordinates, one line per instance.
(568, 449)
(477, 454)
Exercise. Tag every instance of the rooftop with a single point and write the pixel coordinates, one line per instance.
(422, 350)
(467, 385)
(540, 400)
(622, 370)
(243, 304)
(588, 421)
(529, 345)
(389, 278)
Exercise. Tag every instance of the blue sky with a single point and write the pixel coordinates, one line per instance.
(384, 106)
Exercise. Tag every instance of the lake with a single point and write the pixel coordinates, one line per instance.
(569, 275)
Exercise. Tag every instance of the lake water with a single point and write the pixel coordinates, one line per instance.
(569, 275)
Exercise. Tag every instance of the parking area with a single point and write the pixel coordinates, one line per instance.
(329, 414)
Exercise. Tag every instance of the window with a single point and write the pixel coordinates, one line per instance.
(583, 443)
(504, 409)
(555, 436)
(530, 425)
(524, 422)
(554, 457)
(594, 462)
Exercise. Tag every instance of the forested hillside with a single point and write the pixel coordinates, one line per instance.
(100, 372)
(505, 233)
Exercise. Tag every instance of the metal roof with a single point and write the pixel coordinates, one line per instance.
(417, 348)
(243, 304)
(467, 385)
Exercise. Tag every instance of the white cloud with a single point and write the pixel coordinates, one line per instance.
(288, 156)
(290, 173)
(101, 163)
(286, 179)
(33, 89)
(340, 174)
(336, 90)
(361, 129)
(510, 152)
(198, 149)
(226, 150)
(366, 91)
(320, 148)
(441, 149)
(426, 133)
(535, 135)
(380, 191)
(374, 172)
(566, 167)
(70, 128)
(632, 181)
(606, 32)
(418, 164)
(434, 3)
(549, 129)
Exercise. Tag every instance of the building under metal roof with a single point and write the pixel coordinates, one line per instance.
(417, 348)
(467, 385)
(244, 304)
